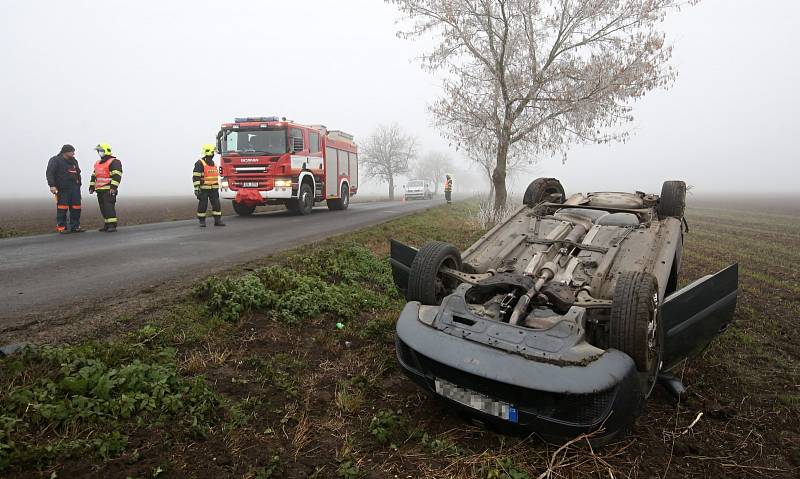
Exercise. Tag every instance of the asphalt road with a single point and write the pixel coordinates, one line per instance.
(51, 272)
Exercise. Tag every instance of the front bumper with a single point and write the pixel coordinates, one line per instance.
(415, 194)
(273, 194)
(554, 401)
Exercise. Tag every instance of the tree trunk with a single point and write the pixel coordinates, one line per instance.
(488, 171)
(499, 175)
(391, 188)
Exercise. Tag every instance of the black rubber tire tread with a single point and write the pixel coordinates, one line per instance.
(243, 210)
(631, 305)
(424, 270)
(300, 209)
(672, 202)
(540, 188)
(339, 204)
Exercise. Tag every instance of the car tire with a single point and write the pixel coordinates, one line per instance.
(635, 327)
(304, 203)
(341, 203)
(425, 284)
(672, 202)
(540, 189)
(242, 209)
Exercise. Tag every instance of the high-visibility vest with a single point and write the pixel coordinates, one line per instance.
(210, 174)
(102, 173)
(448, 185)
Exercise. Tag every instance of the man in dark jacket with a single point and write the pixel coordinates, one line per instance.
(64, 179)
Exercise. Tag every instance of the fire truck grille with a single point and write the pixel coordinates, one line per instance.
(251, 169)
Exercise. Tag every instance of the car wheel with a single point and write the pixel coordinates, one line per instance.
(425, 283)
(540, 190)
(635, 327)
(243, 209)
(304, 202)
(342, 202)
(672, 202)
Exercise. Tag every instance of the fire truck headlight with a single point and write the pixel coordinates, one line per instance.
(283, 183)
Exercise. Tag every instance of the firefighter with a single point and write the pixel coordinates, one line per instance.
(205, 178)
(64, 179)
(448, 188)
(105, 181)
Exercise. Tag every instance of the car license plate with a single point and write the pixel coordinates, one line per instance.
(476, 400)
(250, 184)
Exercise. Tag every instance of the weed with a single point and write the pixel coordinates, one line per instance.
(274, 469)
(348, 469)
(228, 298)
(379, 329)
(440, 446)
(60, 396)
(350, 393)
(341, 281)
(503, 469)
(387, 426)
(280, 370)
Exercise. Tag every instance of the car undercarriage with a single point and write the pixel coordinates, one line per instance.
(564, 314)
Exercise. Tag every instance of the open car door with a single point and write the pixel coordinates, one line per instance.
(400, 257)
(697, 313)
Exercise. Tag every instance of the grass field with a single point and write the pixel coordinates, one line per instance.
(249, 376)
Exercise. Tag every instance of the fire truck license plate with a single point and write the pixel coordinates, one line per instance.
(250, 184)
(476, 400)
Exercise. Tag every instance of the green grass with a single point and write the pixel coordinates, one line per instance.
(65, 401)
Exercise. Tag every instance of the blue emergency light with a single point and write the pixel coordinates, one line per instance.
(256, 119)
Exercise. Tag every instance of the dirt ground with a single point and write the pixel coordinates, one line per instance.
(318, 417)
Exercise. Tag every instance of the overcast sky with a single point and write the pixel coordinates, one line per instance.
(155, 79)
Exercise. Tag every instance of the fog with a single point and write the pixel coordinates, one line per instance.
(156, 79)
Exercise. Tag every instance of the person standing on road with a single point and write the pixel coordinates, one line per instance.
(105, 181)
(64, 180)
(448, 188)
(205, 178)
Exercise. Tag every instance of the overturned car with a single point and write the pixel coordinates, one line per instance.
(561, 319)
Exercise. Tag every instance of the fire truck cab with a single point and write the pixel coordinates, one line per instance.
(272, 161)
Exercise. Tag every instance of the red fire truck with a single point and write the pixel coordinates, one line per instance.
(272, 161)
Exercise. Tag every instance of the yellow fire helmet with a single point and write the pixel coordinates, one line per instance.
(209, 150)
(103, 149)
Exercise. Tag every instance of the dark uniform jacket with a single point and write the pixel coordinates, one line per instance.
(62, 172)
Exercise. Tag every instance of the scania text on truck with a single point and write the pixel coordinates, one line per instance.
(272, 161)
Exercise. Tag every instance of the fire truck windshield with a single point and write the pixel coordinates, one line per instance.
(264, 142)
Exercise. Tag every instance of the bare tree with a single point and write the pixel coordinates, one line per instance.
(540, 75)
(386, 153)
(432, 167)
